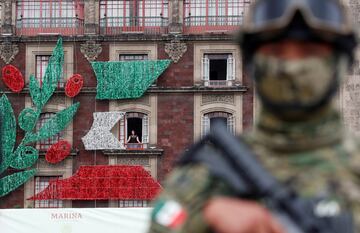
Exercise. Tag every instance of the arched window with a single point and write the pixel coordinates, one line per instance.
(209, 119)
(138, 122)
(46, 143)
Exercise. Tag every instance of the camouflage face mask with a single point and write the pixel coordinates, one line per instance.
(300, 83)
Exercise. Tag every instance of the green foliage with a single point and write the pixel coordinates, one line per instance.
(26, 155)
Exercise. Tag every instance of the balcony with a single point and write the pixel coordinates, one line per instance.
(37, 26)
(145, 25)
(218, 83)
(212, 24)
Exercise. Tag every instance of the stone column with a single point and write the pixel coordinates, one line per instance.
(91, 22)
(7, 27)
(350, 90)
(354, 6)
(175, 26)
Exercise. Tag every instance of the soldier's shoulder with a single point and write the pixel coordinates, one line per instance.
(189, 177)
(187, 182)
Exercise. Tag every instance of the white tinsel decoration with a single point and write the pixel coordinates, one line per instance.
(99, 137)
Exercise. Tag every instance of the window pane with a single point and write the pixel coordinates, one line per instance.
(41, 63)
(48, 13)
(133, 13)
(214, 12)
(133, 57)
(132, 203)
(226, 118)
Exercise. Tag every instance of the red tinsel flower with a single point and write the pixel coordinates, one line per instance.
(74, 85)
(13, 78)
(58, 151)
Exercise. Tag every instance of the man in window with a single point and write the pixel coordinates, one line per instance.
(297, 52)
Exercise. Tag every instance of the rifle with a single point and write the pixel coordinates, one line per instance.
(232, 160)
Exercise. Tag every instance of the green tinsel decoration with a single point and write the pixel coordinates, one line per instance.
(8, 132)
(25, 155)
(54, 125)
(27, 119)
(12, 182)
(126, 79)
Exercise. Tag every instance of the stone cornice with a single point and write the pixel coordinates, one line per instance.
(156, 89)
(121, 37)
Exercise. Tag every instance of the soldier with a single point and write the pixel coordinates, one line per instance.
(297, 52)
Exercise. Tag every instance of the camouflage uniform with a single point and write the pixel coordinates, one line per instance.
(316, 158)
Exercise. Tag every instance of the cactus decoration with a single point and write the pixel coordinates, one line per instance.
(25, 155)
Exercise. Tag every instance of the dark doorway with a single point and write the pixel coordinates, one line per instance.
(136, 125)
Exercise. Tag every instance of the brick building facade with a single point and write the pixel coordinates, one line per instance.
(204, 81)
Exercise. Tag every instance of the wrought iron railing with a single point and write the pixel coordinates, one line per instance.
(136, 146)
(147, 25)
(201, 24)
(60, 25)
(218, 83)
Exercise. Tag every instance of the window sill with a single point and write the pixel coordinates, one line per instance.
(73, 152)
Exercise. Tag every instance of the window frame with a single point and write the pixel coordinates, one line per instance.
(206, 121)
(45, 144)
(133, 57)
(131, 203)
(200, 16)
(230, 70)
(133, 16)
(32, 50)
(123, 128)
(39, 187)
(65, 17)
(39, 74)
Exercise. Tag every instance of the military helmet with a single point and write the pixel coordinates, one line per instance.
(315, 20)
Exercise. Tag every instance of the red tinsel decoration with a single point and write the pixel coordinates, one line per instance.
(58, 151)
(13, 78)
(107, 182)
(74, 85)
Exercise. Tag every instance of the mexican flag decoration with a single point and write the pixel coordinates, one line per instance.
(169, 214)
